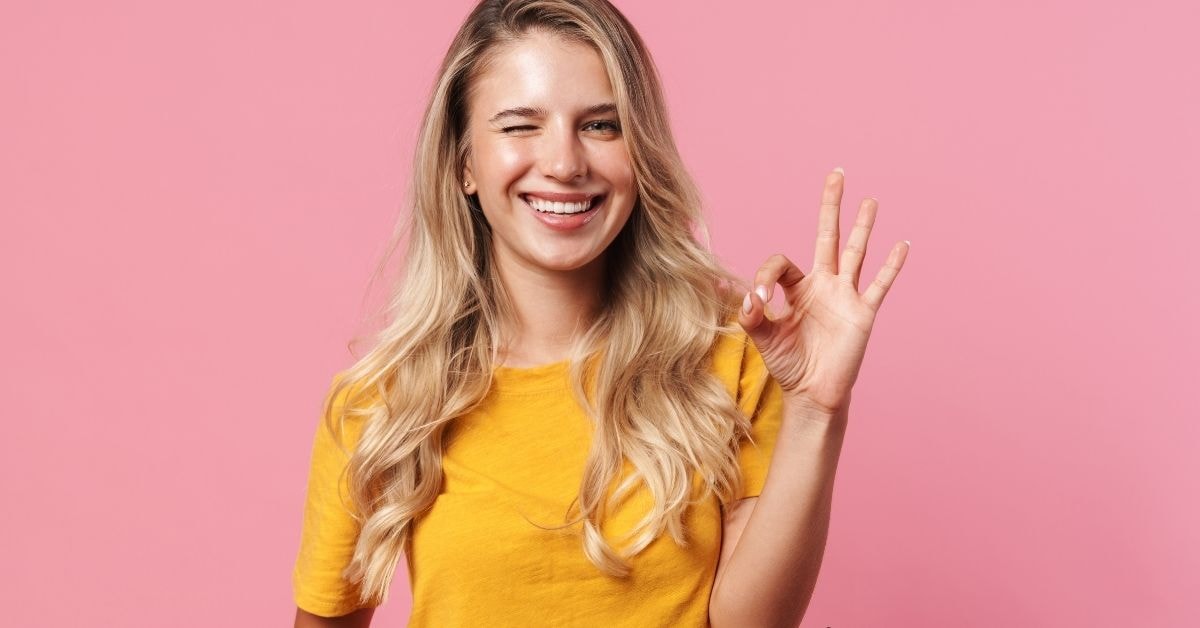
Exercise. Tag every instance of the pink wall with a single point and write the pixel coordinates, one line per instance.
(193, 197)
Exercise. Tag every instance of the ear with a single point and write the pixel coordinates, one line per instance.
(468, 180)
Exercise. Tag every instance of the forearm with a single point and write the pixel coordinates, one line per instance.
(773, 569)
(360, 618)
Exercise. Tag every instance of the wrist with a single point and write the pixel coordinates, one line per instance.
(804, 403)
(799, 410)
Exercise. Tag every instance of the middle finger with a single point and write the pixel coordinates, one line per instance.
(825, 258)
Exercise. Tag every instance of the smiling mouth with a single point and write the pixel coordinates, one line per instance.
(563, 209)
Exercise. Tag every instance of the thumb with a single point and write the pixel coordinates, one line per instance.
(752, 316)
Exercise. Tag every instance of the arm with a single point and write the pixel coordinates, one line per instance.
(772, 554)
(330, 529)
(360, 618)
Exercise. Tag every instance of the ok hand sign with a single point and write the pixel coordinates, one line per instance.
(814, 346)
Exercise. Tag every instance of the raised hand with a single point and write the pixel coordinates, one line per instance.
(814, 346)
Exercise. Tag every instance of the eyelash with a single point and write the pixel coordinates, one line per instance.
(612, 126)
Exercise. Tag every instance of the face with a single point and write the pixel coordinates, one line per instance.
(548, 159)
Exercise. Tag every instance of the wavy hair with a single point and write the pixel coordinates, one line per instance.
(649, 391)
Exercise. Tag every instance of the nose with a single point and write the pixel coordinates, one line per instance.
(563, 156)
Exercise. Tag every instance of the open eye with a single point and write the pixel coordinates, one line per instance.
(604, 126)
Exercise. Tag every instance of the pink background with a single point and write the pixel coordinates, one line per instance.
(194, 196)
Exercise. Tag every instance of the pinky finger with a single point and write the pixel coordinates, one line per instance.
(887, 275)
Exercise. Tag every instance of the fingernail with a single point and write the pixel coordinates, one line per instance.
(747, 304)
(762, 293)
(908, 243)
(840, 171)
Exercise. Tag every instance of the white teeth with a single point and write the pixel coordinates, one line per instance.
(557, 208)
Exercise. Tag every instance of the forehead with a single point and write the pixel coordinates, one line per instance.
(541, 70)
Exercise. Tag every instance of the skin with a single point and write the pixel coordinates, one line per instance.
(554, 278)
(814, 346)
(360, 618)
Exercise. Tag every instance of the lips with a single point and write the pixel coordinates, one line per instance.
(558, 218)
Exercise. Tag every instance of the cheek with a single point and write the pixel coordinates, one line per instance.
(618, 169)
(511, 157)
(504, 161)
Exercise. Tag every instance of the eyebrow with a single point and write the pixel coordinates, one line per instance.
(536, 112)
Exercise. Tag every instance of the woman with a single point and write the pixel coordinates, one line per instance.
(570, 416)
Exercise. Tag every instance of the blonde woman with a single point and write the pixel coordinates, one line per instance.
(571, 413)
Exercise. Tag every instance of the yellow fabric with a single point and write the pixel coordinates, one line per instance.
(477, 559)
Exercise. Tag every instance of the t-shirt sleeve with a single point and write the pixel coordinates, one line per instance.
(760, 398)
(329, 531)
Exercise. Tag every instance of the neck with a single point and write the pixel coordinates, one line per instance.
(552, 309)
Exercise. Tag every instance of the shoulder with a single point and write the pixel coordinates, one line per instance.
(738, 364)
(344, 411)
(734, 357)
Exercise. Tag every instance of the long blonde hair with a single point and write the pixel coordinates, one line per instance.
(650, 393)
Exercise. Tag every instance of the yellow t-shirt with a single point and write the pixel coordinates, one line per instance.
(477, 560)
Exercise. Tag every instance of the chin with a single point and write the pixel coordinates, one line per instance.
(563, 266)
(563, 263)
